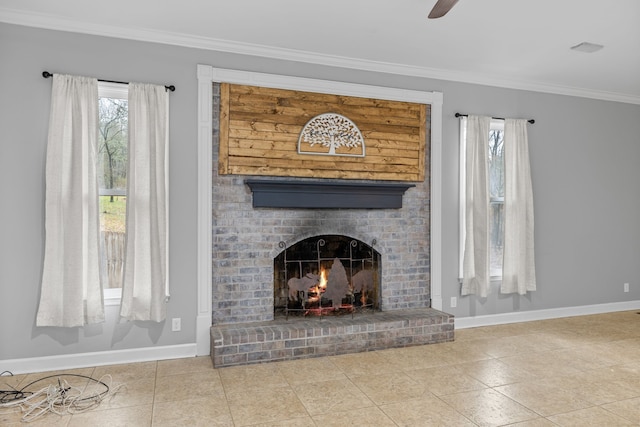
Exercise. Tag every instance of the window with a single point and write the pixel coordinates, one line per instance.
(112, 182)
(73, 279)
(495, 141)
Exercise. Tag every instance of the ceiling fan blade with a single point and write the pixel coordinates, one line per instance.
(441, 8)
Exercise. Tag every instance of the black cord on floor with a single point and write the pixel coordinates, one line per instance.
(8, 396)
(100, 395)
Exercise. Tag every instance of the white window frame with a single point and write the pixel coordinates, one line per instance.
(496, 124)
(119, 91)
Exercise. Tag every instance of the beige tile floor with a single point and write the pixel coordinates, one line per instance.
(579, 371)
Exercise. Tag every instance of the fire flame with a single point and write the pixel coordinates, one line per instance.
(323, 280)
(320, 287)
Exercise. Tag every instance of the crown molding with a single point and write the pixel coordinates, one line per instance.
(185, 40)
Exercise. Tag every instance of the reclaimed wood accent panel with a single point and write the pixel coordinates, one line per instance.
(259, 130)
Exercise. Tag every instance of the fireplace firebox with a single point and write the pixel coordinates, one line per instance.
(326, 275)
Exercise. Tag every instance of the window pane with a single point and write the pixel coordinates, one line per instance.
(496, 194)
(496, 164)
(112, 181)
(496, 237)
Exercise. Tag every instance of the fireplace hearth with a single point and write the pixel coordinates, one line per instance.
(282, 339)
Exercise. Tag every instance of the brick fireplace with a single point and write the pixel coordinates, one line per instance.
(248, 238)
(246, 241)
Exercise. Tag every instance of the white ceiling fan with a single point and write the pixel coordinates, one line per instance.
(441, 8)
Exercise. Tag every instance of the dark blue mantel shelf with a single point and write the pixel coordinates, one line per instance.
(326, 195)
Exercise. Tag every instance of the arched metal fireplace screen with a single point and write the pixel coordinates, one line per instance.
(326, 275)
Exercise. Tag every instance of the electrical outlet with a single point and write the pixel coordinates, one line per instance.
(176, 324)
(454, 302)
(626, 287)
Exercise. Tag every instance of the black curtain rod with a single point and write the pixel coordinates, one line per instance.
(496, 118)
(47, 74)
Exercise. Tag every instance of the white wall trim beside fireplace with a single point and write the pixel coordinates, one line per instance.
(206, 76)
(204, 273)
(436, 201)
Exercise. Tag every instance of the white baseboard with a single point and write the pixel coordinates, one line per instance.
(82, 360)
(552, 313)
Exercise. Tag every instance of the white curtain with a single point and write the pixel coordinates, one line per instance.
(145, 282)
(71, 291)
(475, 264)
(518, 270)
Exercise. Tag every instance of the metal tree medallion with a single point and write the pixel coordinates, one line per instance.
(331, 134)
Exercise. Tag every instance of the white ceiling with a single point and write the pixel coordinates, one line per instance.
(507, 43)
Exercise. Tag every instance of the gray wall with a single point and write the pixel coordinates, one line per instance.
(584, 157)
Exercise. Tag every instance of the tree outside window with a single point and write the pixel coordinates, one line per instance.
(496, 200)
(112, 181)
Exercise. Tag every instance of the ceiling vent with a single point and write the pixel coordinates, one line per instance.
(587, 47)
